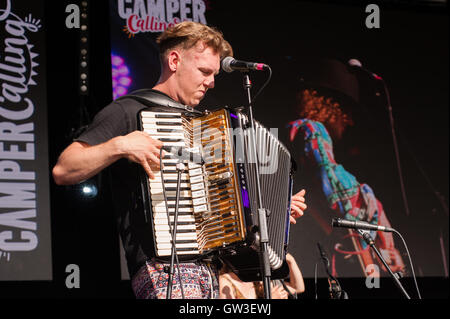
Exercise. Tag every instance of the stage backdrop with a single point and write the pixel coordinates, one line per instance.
(25, 241)
(408, 49)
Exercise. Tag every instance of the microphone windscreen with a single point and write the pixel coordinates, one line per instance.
(355, 62)
(226, 64)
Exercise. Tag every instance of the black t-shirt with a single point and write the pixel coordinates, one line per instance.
(117, 119)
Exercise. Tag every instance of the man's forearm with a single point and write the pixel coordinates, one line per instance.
(80, 161)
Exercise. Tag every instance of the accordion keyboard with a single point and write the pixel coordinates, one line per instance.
(209, 211)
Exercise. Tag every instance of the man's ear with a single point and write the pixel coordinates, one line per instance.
(173, 60)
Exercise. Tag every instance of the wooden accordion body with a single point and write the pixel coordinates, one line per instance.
(217, 212)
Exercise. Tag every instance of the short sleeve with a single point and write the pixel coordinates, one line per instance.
(110, 122)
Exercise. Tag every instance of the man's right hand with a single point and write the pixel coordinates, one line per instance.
(80, 160)
(140, 148)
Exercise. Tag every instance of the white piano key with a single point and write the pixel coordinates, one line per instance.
(155, 186)
(169, 176)
(172, 143)
(165, 227)
(178, 245)
(170, 160)
(156, 191)
(181, 219)
(172, 210)
(167, 237)
(170, 202)
(185, 215)
(168, 252)
(175, 126)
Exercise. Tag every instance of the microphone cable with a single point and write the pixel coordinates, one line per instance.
(264, 85)
(315, 280)
(410, 262)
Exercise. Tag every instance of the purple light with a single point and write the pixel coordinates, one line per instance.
(245, 199)
(120, 90)
(123, 70)
(125, 81)
(116, 60)
(121, 79)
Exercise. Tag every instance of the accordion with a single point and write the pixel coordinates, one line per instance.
(217, 203)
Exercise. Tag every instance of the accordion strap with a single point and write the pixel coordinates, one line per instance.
(154, 98)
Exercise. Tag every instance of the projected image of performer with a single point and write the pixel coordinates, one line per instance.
(324, 107)
(190, 56)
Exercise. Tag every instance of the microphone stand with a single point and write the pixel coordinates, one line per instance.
(396, 150)
(262, 215)
(369, 240)
(335, 288)
(180, 168)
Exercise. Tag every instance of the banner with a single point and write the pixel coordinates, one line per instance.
(25, 239)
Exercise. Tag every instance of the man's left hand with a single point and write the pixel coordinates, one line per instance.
(297, 206)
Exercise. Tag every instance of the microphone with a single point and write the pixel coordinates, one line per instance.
(356, 63)
(229, 64)
(337, 222)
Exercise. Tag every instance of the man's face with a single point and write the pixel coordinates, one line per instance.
(195, 73)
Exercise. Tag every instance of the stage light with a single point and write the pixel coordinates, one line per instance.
(88, 189)
(121, 79)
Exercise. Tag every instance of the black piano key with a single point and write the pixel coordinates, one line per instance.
(174, 181)
(179, 249)
(181, 198)
(168, 123)
(170, 139)
(168, 189)
(167, 130)
(167, 116)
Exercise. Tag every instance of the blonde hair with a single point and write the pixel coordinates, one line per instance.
(187, 34)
